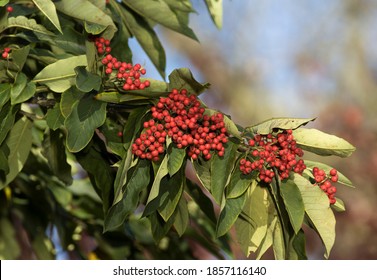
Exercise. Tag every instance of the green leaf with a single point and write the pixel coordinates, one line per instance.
(161, 13)
(318, 211)
(4, 94)
(18, 86)
(268, 126)
(221, 168)
(176, 158)
(72, 41)
(293, 203)
(238, 183)
(4, 167)
(339, 205)
(159, 227)
(321, 143)
(25, 94)
(19, 143)
(54, 117)
(29, 24)
(48, 8)
(215, 8)
(341, 178)
(182, 217)
(138, 181)
(60, 76)
(122, 176)
(251, 226)
(182, 78)
(229, 214)
(19, 56)
(148, 39)
(278, 244)
(94, 28)
(7, 117)
(87, 115)
(87, 12)
(171, 190)
(203, 172)
(69, 97)
(100, 172)
(86, 81)
(54, 152)
(203, 201)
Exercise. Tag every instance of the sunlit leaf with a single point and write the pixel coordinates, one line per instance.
(48, 8)
(215, 9)
(268, 126)
(321, 143)
(60, 76)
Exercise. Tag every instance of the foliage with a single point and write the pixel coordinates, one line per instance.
(66, 117)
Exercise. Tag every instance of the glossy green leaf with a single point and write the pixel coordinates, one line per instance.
(268, 126)
(293, 204)
(25, 94)
(54, 152)
(4, 95)
(87, 115)
(321, 143)
(19, 143)
(161, 13)
(54, 117)
(18, 86)
(147, 38)
(69, 97)
(229, 214)
(60, 76)
(47, 7)
(318, 211)
(87, 12)
(86, 81)
(182, 217)
(203, 172)
(176, 159)
(29, 24)
(221, 168)
(238, 183)
(172, 186)
(251, 226)
(122, 176)
(182, 78)
(19, 56)
(7, 117)
(94, 28)
(215, 8)
(341, 178)
(138, 181)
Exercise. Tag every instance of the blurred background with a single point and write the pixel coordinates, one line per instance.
(297, 59)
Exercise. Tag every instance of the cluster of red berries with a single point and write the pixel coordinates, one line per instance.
(273, 152)
(127, 75)
(181, 117)
(5, 53)
(151, 142)
(324, 181)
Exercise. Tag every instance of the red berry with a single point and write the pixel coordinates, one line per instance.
(333, 172)
(120, 134)
(9, 9)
